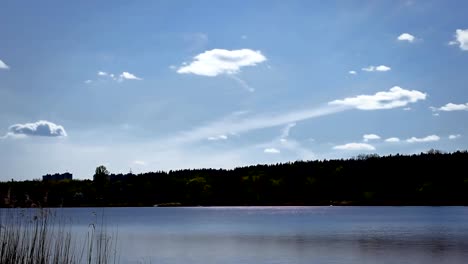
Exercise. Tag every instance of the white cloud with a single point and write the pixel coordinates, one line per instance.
(3, 65)
(39, 128)
(368, 137)
(430, 138)
(129, 76)
(407, 108)
(355, 146)
(406, 37)
(380, 68)
(452, 107)
(139, 162)
(454, 136)
(220, 61)
(123, 76)
(352, 72)
(461, 39)
(272, 150)
(219, 137)
(396, 97)
(88, 81)
(392, 140)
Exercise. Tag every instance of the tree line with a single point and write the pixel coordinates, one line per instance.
(432, 178)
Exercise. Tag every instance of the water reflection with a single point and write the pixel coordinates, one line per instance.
(285, 235)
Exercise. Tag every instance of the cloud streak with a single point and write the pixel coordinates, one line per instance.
(355, 147)
(368, 137)
(430, 138)
(242, 83)
(396, 97)
(271, 151)
(219, 137)
(4, 66)
(392, 140)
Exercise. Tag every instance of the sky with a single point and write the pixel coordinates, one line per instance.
(165, 85)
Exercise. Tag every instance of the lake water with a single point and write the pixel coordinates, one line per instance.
(256, 235)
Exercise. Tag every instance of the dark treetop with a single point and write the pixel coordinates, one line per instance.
(431, 178)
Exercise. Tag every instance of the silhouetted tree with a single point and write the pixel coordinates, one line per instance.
(431, 178)
(101, 178)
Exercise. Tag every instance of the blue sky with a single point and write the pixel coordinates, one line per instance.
(151, 85)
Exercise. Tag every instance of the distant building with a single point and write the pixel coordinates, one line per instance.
(57, 177)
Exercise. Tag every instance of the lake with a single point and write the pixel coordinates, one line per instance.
(257, 235)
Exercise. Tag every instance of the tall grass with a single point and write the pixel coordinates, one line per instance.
(39, 236)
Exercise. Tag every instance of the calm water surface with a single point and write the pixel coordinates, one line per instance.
(256, 235)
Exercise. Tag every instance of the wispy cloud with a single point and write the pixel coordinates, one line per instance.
(406, 37)
(461, 39)
(272, 151)
(285, 131)
(139, 162)
(120, 78)
(3, 66)
(380, 68)
(452, 137)
(392, 140)
(355, 147)
(242, 83)
(240, 124)
(430, 138)
(195, 41)
(220, 61)
(284, 142)
(219, 137)
(39, 128)
(451, 107)
(368, 137)
(352, 72)
(396, 97)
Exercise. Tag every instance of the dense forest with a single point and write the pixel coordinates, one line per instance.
(431, 178)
